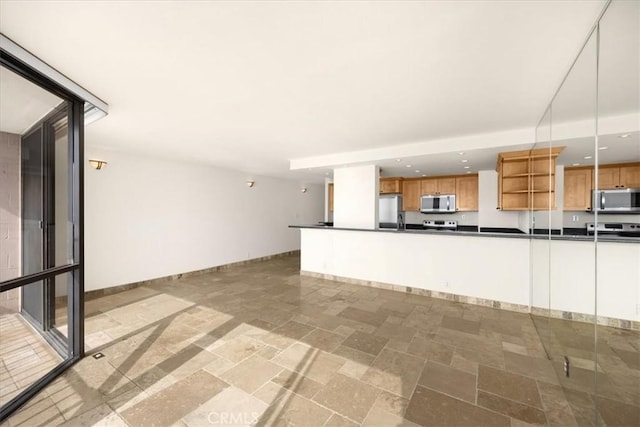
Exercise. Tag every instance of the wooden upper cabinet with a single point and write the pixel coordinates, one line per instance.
(429, 186)
(438, 185)
(411, 195)
(467, 193)
(630, 176)
(608, 178)
(577, 189)
(619, 176)
(465, 187)
(330, 190)
(447, 186)
(390, 185)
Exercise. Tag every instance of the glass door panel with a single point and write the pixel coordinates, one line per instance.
(617, 363)
(572, 285)
(40, 282)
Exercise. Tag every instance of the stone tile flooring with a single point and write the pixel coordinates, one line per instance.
(24, 356)
(617, 364)
(260, 344)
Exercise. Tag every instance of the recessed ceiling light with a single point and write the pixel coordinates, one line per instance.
(461, 153)
(398, 160)
(575, 164)
(464, 160)
(468, 171)
(466, 167)
(417, 170)
(408, 166)
(588, 157)
(424, 174)
(602, 148)
(625, 135)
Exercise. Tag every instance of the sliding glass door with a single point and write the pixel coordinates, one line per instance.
(41, 268)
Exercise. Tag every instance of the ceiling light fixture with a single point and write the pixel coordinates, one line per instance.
(587, 157)
(424, 174)
(466, 167)
(398, 160)
(468, 171)
(417, 170)
(464, 160)
(408, 166)
(461, 153)
(250, 183)
(575, 164)
(602, 148)
(97, 164)
(303, 189)
(625, 135)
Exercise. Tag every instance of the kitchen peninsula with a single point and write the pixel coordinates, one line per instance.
(491, 269)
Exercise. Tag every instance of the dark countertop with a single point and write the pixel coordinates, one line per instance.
(485, 232)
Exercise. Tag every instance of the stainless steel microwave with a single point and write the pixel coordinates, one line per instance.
(440, 203)
(621, 200)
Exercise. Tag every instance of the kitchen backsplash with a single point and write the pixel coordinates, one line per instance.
(463, 218)
(580, 219)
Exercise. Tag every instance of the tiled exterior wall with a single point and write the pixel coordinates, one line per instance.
(9, 218)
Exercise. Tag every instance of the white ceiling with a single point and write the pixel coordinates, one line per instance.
(251, 85)
(22, 103)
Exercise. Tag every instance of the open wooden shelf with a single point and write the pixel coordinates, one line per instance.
(526, 179)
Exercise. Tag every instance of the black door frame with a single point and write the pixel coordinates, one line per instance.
(75, 326)
(47, 150)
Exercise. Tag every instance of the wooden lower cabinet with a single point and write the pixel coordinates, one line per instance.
(467, 193)
(577, 189)
(411, 195)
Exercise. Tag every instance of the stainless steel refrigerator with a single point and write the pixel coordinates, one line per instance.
(390, 211)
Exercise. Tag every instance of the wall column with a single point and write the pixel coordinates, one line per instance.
(356, 193)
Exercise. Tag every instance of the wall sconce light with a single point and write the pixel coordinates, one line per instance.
(303, 189)
(250, 183)
(97, 164)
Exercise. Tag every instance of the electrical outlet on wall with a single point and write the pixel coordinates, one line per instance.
(575, 218)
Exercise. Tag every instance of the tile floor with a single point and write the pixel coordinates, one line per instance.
(24, 356)
(260, 344)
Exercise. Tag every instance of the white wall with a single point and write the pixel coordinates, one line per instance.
(10, 227)
(147, 218)
(488, 215)
(355, 196)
